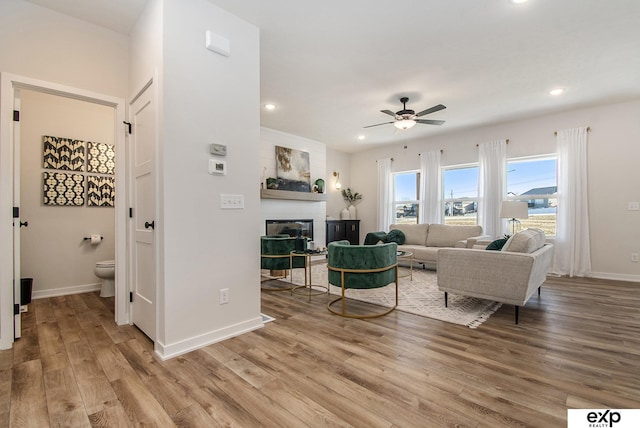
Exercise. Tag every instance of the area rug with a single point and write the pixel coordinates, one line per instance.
(419, 296)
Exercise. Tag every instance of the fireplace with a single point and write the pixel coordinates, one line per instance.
(290, 227)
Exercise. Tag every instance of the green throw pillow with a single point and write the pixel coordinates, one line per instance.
(497, 244)
(396, 236)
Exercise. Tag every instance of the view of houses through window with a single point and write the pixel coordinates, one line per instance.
(406, 195)
(533, 180)
(460, 194)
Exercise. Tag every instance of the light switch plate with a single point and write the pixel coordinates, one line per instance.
(232, 202)
(634, 206)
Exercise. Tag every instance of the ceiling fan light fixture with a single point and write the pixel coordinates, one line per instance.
(404, 124)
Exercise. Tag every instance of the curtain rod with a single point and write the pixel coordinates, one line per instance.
(441, 151)
(588, 129)
(391, 160)
(478, 145)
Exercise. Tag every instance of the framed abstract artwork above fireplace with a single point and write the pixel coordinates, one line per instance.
(293, 170)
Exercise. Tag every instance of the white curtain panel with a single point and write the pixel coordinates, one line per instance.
(385, 212)
(430, 188)
(492, 188)
(572, 252)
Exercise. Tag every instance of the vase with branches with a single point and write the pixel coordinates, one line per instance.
(351, 197)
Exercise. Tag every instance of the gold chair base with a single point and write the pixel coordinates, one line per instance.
(345, 314)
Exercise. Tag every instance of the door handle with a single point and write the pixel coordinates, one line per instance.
(148, 225)
(24, 224)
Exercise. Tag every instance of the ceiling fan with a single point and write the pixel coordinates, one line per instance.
(405, 119)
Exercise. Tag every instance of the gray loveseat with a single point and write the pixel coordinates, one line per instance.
(425, 240)
(509, 276)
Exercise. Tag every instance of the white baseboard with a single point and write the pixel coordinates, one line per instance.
(166, 352)
(76, 289)
(616, 276)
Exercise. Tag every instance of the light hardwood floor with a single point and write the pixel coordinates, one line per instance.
(578, 346)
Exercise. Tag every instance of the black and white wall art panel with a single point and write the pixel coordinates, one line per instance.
(100, 191)
(101, 158)
(61, 188)
(63, 153)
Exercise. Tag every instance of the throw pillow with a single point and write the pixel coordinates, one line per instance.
(497, 244)
(396, 235)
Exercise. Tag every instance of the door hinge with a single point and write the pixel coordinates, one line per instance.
(16, 309)
(16, 212)
(130, 296)
(16, 116)
(130, 212)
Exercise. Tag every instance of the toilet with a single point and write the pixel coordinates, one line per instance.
(106, 270)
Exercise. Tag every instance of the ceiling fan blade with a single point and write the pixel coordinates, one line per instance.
(431, 110)
(389, 112)
(378, 124)
(430, 122)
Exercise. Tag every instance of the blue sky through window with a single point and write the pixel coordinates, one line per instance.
(522, 176)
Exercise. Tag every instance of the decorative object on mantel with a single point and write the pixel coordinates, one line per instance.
(351, 197)
(272, 183)
(320, 185)
(292, 168)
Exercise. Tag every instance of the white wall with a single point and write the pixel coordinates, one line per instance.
(39, 43)
(53, 251)
(207, 248)
(613, 150)
(288, 209)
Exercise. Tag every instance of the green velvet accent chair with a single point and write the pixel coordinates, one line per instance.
(361, 267)
(274, 255)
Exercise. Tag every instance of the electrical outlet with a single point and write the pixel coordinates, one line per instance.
(633, 206)
(224, 296)
(634, 257)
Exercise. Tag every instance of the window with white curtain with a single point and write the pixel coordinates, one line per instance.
(535, 180)
(460, 194)
(406, 196)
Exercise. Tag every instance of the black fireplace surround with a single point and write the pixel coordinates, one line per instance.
(290, 227)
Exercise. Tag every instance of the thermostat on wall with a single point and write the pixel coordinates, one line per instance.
(218, 167)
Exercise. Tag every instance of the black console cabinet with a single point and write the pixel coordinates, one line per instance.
(343, 229)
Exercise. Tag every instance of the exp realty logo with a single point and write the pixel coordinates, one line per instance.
(603, 418)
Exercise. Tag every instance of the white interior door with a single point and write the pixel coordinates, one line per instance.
(17, 223)
(143, 191)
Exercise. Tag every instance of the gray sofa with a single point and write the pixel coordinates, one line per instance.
(425, 240)
(509, 276)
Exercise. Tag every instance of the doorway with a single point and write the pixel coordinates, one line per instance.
(58, 218)
(10, 87)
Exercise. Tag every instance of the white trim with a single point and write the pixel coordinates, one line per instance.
(616, 276)
(65, 291)
(166, 352)
(9, 82)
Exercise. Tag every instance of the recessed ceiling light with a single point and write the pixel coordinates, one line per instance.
(361, 137)
(269, 106)
(518, 1)
(556, 91)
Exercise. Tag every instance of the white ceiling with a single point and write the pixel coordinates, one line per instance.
(330, 66)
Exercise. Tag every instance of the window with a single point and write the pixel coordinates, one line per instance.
(535, 180)
(460, 194)
(406, 196)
